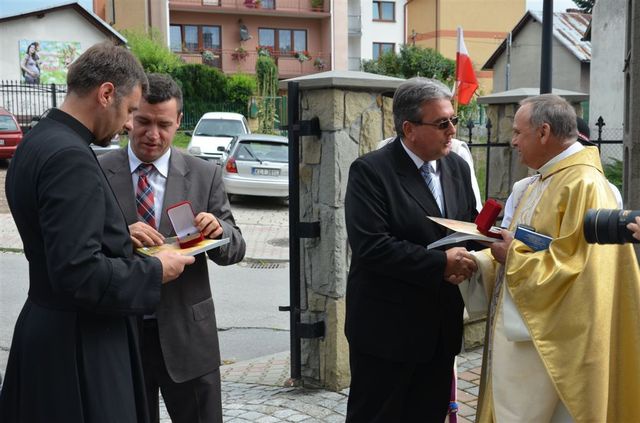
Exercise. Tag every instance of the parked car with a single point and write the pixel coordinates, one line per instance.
(10, 134)
(257, 164)
(214, 132)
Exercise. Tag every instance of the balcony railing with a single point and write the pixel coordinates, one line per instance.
(232, 61)
(310, 6)
(355, 25)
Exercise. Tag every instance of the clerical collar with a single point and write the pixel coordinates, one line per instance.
(161, 163)
(70, 121)
(417, 160)
(571, 150)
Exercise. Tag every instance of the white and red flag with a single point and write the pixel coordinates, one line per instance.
(466, 82)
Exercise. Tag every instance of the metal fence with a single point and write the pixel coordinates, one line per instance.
(608, 141)
(27, 101)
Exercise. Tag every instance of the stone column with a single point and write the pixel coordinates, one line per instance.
(354, 109)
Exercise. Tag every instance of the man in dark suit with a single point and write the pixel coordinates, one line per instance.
(180, 349)
(403, 306)
(74, 355)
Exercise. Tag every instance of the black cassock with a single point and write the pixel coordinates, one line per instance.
(74, 355)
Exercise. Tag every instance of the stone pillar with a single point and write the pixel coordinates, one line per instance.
(355, 114)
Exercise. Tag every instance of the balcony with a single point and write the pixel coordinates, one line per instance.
(355, 25)
(230, 61)
(298, 8)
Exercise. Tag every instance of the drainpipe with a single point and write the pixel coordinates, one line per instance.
(406, 23)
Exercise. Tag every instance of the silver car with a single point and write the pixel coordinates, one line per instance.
(257, 164)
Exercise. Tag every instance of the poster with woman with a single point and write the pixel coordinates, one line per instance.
(46, 62)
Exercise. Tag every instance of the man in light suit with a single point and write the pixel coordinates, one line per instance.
(403, 308)
(180, 351)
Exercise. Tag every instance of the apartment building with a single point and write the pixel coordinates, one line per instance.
(375, 27)
(300, 35)
(486, 23)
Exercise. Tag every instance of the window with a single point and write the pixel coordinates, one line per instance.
(284, 41)
(381, 48)
(194, 38)
(175, 38)
(384, 11)
(211, 37)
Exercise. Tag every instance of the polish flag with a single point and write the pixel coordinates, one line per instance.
(466, 82)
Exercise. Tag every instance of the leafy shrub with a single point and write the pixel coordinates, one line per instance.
(154, 55)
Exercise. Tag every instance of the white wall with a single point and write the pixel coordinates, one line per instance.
(60, 25)
(380, 32)
(607, 61)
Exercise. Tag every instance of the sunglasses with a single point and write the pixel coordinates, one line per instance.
(442, 125)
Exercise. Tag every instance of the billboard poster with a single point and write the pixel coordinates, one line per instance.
(46, 62)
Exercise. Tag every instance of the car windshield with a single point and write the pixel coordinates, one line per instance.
(260, 151)
(7, 123)
(219, 128)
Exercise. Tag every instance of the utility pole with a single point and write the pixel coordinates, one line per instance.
(546, 51)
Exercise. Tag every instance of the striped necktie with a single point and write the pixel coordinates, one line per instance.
(144, 195)
(428, 174)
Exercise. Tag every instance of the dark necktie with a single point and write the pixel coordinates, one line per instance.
(427, 172)
(144, 195)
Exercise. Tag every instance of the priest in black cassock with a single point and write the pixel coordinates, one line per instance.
(74, 355)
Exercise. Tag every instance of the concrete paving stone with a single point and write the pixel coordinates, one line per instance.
(297, 418)
(464, 385)
(238, 420)
(232, 413)
(252, 416)
(464, 396)
(468, 376)
(267, 419)
(465, 410)
(283, 414)
(473, 391)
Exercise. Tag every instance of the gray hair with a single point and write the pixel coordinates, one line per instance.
(411, 95)
(106, 62)
(555, 111)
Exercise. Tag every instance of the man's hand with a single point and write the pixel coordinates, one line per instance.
(208, 225)
(143, 235)
(635, 228)
(173, 264)
(460, 265)
(499, 248)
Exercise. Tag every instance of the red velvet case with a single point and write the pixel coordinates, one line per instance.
(487, 218)
(182, 219)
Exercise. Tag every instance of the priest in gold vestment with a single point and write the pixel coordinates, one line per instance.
(563, 332)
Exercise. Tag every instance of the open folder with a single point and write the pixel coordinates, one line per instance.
(463, 231)
(172, 245)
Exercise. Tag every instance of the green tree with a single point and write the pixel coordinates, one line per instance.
(154, 55)
(413, 61)
(585, 5)
(240, 87)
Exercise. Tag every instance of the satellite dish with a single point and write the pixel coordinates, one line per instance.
(244, 33)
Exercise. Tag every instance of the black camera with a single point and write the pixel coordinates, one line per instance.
(606, 226)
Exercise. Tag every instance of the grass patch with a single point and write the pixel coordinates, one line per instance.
(181, 140)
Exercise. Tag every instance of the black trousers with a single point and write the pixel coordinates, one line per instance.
(384, 391)
(195, 401)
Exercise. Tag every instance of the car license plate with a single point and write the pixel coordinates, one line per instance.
(265, 172)
(1, 142)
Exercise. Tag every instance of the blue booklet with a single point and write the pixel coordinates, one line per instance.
(534, 240)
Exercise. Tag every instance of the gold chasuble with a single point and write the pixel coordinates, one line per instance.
(580, 302)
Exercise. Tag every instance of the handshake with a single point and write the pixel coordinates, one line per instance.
(460, 265)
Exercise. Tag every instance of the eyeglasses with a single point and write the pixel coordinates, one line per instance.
(442, 125)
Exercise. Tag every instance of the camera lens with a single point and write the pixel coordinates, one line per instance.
(606, 226)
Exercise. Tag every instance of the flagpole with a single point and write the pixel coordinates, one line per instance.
(455, 83)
